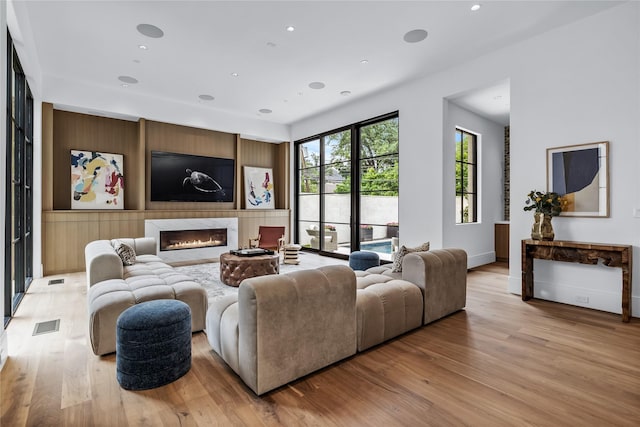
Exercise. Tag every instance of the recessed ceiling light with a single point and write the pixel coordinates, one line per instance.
(205, 97)
(291, 28)
(137, 61)
(265, 111)
(235, 74)
(475, 7)
(128, 79)
(415, 36)
(364, 61)
(345, 93)
(150, 31)
(143, 47)
(271, 44)
(316, 85)
(124, 85)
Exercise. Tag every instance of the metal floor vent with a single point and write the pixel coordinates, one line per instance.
(56, 282)
(46, 327)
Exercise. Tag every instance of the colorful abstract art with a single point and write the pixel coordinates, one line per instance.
(97, 180)
(579, 173)
(258, 188)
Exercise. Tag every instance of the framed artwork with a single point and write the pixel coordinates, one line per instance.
(580, 174)
(258, 188)
(97, 180)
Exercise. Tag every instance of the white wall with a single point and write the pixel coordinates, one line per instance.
(572, 85)
(3, 159)
(579, 84)
(477, 238)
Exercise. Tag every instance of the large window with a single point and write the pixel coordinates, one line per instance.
(18, 262)
(466, 177)
(347, 188)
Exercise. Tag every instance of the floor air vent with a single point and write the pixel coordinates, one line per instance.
(56, 282)
(46, 327)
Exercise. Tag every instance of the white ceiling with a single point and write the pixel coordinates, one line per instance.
(89, 44)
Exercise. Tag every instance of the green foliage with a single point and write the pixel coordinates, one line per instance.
(379, 160)
(547, 203)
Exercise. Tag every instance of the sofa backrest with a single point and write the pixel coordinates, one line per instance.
(293, 324)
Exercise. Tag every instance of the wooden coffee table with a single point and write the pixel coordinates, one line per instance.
(234, 269)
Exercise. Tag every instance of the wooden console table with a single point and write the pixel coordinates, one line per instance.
(584, 253)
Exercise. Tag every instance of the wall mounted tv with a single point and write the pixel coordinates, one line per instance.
(189, 178)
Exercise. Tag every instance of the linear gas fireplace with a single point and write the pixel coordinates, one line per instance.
(173, 240)
(186, 239)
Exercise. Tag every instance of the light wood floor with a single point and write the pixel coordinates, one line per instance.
(501, 362)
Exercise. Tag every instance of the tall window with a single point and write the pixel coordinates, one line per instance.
(19, 179)
(466, 177)
(347, 188)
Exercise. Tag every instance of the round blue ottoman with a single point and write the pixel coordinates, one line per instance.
(153, 344)
(361, 260)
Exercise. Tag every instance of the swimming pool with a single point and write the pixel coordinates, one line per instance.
(382, 247)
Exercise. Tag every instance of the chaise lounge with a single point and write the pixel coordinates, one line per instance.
(114, 287)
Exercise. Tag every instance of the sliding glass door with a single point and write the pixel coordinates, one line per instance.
(19, 180)
(379, 228)
(347, 188)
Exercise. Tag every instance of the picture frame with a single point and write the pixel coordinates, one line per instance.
(97, 180)
(580, 175)
(259, 188)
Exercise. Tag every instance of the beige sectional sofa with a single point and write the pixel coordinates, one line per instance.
(114, 287)
(280, 328)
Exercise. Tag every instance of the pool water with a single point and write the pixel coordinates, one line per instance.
(382, 247)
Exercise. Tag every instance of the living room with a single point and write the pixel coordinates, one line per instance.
(573, 84)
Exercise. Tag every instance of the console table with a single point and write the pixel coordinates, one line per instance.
(583, 253)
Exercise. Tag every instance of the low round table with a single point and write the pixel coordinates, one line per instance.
(234, 269)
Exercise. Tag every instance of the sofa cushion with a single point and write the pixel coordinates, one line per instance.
(399, 256)
(386, 307)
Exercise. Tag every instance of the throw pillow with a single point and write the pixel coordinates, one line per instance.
(126, 253)
(397, 261)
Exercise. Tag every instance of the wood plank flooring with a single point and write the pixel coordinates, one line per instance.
(500, 362)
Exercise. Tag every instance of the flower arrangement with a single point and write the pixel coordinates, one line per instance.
(549, 203)
(366, 227)
(330, 227)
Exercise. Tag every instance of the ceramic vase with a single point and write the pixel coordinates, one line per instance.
(542, 228)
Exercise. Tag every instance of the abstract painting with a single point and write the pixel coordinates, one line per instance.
(580, 174)
(258, 188)
(97, 180)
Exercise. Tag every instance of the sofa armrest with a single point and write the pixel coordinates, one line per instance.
(102, 262)
(293, 324)
(441, 274)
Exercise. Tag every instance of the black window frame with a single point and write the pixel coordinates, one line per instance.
(18, 262)
(464, 165)
(355, 161)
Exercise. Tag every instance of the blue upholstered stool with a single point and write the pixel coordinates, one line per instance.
(153, 344)
(361, 260)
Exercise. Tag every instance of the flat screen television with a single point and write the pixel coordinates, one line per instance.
(189, 178)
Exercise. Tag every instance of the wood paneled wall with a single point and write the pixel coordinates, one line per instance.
(74, 131)
(66, 232)
(276, 156)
